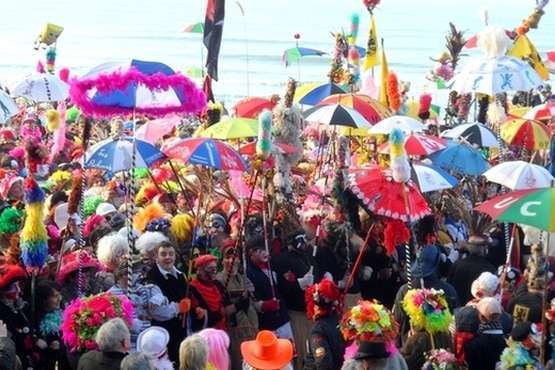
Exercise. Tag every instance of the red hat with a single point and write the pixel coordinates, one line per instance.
(70, 263)
(204, 260)
(267, 352)
(7, 135)
(10, 273)
(92, 223)
(326, 295)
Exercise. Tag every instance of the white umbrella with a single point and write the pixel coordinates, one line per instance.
(8, 108)
(429, 178)
(404, 123)
(337, 114)
(42, 88)
(496, 75)
(519, 175)
(474, 133)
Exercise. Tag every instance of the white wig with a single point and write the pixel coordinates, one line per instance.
(110, 249)
(149, 241)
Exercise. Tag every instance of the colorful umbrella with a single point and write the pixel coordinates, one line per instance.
(532, 207)
(460, 158)
(194, 28)
(136, 86)
(543, 112)
(406, 124)
(42, 88)
(116, 155)
(338, 115)
(232, 128)
(519, 175)
(313, 94)
(292, 55)
(385, 197)
(251, 107)
(550, 61)
(526, 133)
(8, 108)
(429, 178)
(241, 188)
(205, 152)
(496, 75)
(419, 144)
(474, 133)
(154, 130)
(369, 108)
(250, 148)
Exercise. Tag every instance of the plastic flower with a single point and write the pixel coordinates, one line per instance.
(84, 316)
(427, 309)
(369, 321)
(440, 359)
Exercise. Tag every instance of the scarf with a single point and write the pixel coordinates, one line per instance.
(490, 328)
(210, 293)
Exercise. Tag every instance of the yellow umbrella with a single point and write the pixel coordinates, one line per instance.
(349, 131)
(532, 135)
(518, 111)
(232, 128)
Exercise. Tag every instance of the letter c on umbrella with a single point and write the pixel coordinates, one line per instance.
(525, 209)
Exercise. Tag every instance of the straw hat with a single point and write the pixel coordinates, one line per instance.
(267, 352)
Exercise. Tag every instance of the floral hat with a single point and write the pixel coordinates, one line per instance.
(441, 359)
(369, 321)
(427, 309)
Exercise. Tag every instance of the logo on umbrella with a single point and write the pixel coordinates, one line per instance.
(525, 208)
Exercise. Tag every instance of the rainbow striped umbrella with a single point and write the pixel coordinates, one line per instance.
(194, 28)
(526, 133)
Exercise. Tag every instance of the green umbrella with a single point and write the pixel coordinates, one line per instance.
(294, 54)
(195, 28)
(534, 207)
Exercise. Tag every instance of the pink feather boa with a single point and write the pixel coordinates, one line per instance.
(196, 100)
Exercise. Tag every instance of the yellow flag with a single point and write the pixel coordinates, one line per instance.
(372, 47)
(523, 48)
(383, 85)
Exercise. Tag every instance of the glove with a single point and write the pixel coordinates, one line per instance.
(328, 276)
(366, 273)
(289, 276)
(184, 305)
(306, 280)
(271, 305)
(242, 305)
(200, 313)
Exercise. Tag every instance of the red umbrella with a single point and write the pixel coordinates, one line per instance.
(251, 107)
(250, 148)
(418, 144)
(385, 197)
(369, 108)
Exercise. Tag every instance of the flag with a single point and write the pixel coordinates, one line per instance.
(383, 78)
(524, 49)
(213, 30)
(372, 47)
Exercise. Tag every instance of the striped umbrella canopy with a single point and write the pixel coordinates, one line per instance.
(338, 115)
(294, 54)
(419, 144)
(404, 123)
(369, 108)
(474, 133)
(42, 87)
(429, 178)
(232, 128)
(8, 108)
(314, 93)
(543, 112)
(525, 133)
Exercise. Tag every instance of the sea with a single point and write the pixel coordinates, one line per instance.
(256, 33)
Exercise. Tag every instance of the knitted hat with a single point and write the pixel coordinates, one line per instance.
(204, 260)
(485, 286)
(70, 263)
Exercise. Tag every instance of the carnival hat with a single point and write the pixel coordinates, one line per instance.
(10, 273)
(153, 342)
(371, 350)
(70, 263)
(267, 352)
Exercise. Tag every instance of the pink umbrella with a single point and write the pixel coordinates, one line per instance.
(240, 187)
(154, 130)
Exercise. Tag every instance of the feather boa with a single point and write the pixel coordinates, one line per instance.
(428, 310)
(34, 238)
(79, 89)
(51, 323)
(393, 95)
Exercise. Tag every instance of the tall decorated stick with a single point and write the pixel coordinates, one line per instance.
(264, 143)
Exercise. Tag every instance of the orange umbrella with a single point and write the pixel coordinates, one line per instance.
(369, 108)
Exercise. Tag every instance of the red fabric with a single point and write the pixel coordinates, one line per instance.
(204, 260)
(213, 298)
(395, 233)
(461, 338)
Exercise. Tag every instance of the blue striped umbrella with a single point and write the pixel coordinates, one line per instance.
(116, 155)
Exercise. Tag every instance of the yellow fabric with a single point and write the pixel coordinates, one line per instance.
(383, 85)
(50, 33)
(372, 59)
(524, 49)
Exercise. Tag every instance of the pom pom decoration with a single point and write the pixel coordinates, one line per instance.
(427, 309)
(34, 239)
(50, 59)
(264, 143)
(424, 107)
(10, 220)
(64, 75)
(399, 163)
(52, 120)
(84, 316)
(182, 227)
(395, 233)
(393, 95)
(369, 321)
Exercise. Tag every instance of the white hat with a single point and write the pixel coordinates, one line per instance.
(104, 209)
(153, 342)
(485, 286)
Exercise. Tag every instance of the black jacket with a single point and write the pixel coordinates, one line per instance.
(326, 345)
(298, 263)
(263, 292)
(483, 352)
(96, 360)
(465, 271)
(19, 327)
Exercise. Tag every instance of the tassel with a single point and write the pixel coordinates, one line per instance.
(399, 164)
(34, 238)
(393, 95)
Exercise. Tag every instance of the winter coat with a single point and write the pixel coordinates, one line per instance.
(326, 345)
(96, 360)
(483, 352)
(416, 347)
(465, 271)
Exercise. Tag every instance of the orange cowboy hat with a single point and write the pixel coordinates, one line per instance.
(267, 352)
